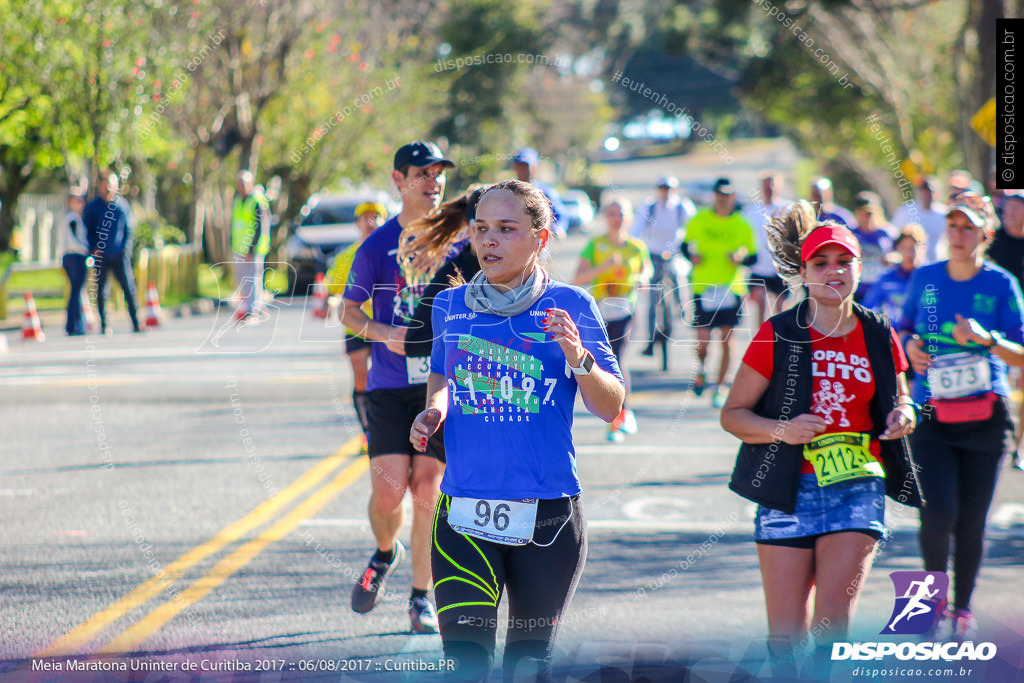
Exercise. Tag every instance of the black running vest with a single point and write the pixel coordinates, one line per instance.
(769, 473)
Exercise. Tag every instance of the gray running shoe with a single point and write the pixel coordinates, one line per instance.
(423, 616)
(370, 587)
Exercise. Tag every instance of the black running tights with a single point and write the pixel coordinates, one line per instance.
(471, 574)
(959, 467)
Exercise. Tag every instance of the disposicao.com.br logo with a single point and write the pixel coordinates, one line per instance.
(920, 602)
(947, 652)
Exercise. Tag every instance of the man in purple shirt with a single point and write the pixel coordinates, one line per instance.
(397, 390)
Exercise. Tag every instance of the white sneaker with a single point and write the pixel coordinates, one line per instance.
(629, 425)
(942, 629)
(965, 626)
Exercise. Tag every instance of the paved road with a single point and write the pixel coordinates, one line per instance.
(137, 493)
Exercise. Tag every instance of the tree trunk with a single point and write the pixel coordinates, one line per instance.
(8, 213)
(246, 158)
(12, 185)
(198, 209)
(979, 160)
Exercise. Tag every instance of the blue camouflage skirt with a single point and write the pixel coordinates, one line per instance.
(856, 505)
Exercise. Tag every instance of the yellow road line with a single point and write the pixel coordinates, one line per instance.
(75, 640)
(144, 628)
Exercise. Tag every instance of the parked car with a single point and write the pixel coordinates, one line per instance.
(700, 192)
(326, 225)
(579, 210)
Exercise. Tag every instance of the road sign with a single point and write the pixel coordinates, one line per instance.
(984, 122)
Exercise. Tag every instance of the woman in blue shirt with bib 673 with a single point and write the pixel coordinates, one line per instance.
(512, 346)
(961, 325)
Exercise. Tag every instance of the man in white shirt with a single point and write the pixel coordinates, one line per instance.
(73, 243)
(828, 210)
(661, 224)
(767, 288)
(929, 214)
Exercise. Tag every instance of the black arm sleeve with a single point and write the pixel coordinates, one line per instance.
(684, 249)
(419, 339)
(749, 259)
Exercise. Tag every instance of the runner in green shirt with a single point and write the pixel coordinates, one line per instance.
(719, 241)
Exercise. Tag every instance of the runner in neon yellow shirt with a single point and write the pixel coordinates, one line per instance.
(368, 216)
(719, 241)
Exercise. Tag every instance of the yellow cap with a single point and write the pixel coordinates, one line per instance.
(375, 207)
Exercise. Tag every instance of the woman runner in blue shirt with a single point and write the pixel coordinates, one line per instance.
(962, 324)
(512, 347)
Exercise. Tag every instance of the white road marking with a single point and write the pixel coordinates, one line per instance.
(186, 350)
(704, 526)
(639, 508)
(334, 522)
(107, 380)
(648, 449)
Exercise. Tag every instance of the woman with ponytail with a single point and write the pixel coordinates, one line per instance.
(431, 240)
(513, 348)
(822, 408)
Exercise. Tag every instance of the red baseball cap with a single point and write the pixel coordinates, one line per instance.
(829, 234)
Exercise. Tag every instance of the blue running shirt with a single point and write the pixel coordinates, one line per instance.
(992, 297)
(508, 433)
(888, 293)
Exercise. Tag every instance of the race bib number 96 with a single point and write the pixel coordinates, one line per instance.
(509, 522)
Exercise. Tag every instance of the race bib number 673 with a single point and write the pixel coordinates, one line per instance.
(959, 374)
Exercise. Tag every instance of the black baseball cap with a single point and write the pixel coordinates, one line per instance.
(420, 154)
(723, 186)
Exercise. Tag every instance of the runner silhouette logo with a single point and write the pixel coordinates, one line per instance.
(920, 601)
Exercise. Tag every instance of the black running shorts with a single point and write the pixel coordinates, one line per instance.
(391, 414)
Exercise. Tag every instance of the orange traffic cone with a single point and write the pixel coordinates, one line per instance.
(320, 305)
(30, 327)
(92, 323)
(152, 305)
